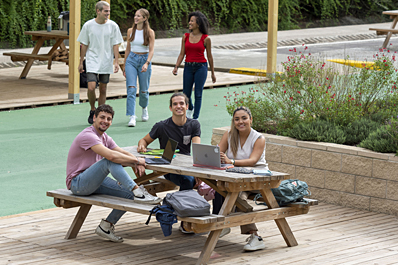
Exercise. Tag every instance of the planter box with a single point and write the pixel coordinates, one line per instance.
(337, 174)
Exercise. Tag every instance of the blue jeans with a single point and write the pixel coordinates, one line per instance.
(185, 182)
(133, 68)
(94, 180)
(194, 73)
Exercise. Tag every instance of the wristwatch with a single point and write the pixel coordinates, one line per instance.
(233, 161)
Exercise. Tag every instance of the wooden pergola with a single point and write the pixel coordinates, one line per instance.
(74, 46)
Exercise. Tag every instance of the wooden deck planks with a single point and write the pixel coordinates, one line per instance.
(328, 234)
(44, 86)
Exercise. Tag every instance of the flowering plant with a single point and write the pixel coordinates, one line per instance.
(310, 89)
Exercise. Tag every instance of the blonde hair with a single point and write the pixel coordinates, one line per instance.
(100, 5)
(234, 133)
(146, 27)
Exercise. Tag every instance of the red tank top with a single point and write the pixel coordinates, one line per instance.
(195, 52)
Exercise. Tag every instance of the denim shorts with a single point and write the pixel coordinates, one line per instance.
(102, 78)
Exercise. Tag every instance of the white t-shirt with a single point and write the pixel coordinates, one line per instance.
(100, 39)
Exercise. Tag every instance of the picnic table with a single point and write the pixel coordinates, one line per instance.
(58, 52)
(40, 37)
(389, 31)
(227, 184)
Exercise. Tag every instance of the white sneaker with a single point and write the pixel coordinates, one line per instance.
(145, 115)
(107, 230)
(254, 243)
(189, 114)
(132, 121)
(141, 195)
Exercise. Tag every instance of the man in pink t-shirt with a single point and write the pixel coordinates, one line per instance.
(92, 156)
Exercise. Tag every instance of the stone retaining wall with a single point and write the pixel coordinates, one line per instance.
(336, 174)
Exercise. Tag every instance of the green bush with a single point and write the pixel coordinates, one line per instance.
(309, 90)
(359, 130)
(319, 131)
(380, 141)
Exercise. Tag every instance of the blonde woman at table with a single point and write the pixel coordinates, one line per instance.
(137, 61)
(242, 146)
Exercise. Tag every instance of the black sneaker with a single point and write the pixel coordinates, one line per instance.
(91, 116)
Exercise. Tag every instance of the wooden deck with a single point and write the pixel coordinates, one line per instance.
(329, 234)
(50, 87)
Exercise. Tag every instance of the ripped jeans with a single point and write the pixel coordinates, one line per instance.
(134, 63)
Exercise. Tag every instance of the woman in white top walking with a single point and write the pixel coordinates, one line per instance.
(137, 61)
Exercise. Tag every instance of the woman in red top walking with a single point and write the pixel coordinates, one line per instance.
(193, 46)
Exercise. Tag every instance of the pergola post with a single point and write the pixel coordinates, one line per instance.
(74, 51)
(272, 37)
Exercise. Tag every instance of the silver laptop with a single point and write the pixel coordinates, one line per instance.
(207, 156)
(167, 156)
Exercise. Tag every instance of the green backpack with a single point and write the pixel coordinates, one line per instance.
(289, 191)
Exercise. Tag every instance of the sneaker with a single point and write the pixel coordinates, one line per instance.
(254, 243)
(225, 232)
(145, 115)
(132, 121)
(107, 230)
(141, 195)
(91, 116)
(185, 231)
(189, 114)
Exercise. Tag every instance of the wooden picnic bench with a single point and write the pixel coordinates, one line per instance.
(40, 37)
(58, 52)
(227, 184)
(389, 31)
(66, 199)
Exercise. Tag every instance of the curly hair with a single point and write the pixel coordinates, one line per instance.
(201, 20)
(105, 108)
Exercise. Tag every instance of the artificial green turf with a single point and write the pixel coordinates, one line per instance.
(35, 143)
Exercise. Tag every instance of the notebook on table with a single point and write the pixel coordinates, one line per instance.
(167, 156)
(208, 156)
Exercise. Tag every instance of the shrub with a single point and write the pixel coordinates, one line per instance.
(359, 130)
(380, 141)
(319, 131)
(309, 90)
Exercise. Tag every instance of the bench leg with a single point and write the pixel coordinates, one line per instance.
(214, 235)
(78, 221)
(282, 224)
(28, 65)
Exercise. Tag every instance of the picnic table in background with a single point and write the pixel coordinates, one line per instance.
(58, 52)
(394, 16)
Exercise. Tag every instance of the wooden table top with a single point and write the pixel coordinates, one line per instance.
(183, 165)
(49, 34)
(391, 12)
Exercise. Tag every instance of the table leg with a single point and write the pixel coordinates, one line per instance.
(78, 221)
(214, 235)
(282, 224)
(28, 65)
(57, 44)
(389, 34)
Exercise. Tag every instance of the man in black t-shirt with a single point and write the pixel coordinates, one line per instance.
(179, 128)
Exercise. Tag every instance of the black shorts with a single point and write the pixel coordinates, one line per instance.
(102, 78)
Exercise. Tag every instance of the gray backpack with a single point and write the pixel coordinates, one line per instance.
(187, 203)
